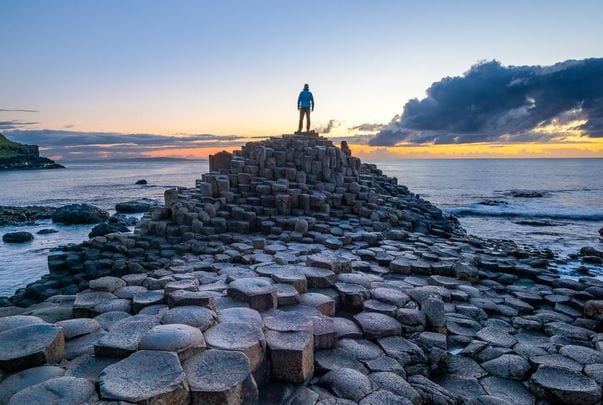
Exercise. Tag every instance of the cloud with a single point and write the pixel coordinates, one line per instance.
(17, 110)
(15, 124)
(367, 127)
(94, 145)
(495, 103)
(332, 124)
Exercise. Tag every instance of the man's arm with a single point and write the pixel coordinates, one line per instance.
(299, 101)
(312, 100)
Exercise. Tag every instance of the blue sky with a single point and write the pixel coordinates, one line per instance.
(235, 67)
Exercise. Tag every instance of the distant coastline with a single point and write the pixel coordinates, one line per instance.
(18, 156)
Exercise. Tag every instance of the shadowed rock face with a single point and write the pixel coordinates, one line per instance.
(14, 155)
(294, 273)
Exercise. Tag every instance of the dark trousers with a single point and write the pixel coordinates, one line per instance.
(302, 112)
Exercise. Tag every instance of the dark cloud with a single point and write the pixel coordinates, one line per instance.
(14, 124)
(491, 102)
(367, 127)
(332, 124)
(97, 144)
(17, 110)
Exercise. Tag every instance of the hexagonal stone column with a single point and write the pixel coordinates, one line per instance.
(238, 336)
(376, 325)
(292, 355)
(220, 377)
(145, 377)
(183, 340)
(30, 346)
(258, 292)
(61, 390)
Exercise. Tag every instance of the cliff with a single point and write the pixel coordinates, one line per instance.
(14, 155)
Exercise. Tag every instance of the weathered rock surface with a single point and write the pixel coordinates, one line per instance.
(293, 273)
(145, 376)
(30, 346)
(79, 214)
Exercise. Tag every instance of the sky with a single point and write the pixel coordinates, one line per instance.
(190, 77)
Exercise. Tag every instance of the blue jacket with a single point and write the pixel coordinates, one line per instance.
(305, 100)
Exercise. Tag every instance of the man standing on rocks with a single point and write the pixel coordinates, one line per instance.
(305, 103)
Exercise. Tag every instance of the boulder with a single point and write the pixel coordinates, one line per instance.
(17, 237)
(135, 206)
(79, 214)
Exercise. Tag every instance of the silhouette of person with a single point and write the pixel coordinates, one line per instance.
(305, 104)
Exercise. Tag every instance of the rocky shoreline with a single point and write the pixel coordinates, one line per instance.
(292, 273)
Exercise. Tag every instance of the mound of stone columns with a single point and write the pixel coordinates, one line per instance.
(294, 274)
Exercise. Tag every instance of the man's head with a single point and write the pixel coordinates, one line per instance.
(306, 87)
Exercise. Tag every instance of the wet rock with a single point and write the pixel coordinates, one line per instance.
(61, 390)
(30, 346)
(380, 397)
(135, 206)
(220, 377)
(79, 214)
(183, 340)
(17, 237)
(145, 377)
(105, 228)
(564, 386)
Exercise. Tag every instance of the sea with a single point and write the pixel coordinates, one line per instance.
(543, 203)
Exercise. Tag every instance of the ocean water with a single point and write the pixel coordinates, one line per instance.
(547, 203)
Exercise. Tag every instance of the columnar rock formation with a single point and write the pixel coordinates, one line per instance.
(293, 273)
